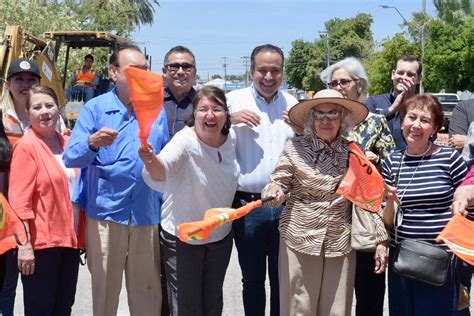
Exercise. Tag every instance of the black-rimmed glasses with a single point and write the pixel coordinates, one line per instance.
(175, 67)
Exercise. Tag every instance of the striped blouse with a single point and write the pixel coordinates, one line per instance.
(425, 187)
(316, 220)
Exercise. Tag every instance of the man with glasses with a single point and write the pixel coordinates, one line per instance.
(123, 213)
(180, 73)
(406, 77)
(259, 116)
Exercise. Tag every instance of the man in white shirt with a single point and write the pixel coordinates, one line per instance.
(259, 117)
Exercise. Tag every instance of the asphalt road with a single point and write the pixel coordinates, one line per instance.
(232, 294)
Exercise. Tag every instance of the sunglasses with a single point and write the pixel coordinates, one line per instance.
(185, 66)
(332, 115)
(344, 83)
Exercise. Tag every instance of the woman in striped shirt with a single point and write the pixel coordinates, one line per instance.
(316, 263)
(424, 177)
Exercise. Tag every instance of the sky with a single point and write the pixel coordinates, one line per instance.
(214, 29)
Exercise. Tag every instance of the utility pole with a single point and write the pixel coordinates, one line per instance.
(328, 48)
(246, 60)
(225, 73)
(423, 38)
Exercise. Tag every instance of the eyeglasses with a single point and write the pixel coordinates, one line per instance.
(331, 115)
(175, 67)
(344, 83)
(215, 111)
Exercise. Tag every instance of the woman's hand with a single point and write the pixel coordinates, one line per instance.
(390, 193)
(26, 259)
(373, 157)
(380, 257)
(462, 199)
(153, 165)
(276, 192)
(459, 206)
(146, 154)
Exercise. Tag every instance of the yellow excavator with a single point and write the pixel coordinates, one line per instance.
(45, 51)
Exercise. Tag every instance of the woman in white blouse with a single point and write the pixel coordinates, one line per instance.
(196, 171)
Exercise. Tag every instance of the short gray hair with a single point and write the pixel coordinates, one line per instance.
(346, 123)
(353, 66)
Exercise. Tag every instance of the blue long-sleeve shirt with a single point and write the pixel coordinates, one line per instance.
(111, 186)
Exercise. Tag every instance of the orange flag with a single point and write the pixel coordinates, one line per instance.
(146, 93)
(458, 235)
(12, 230)
(362, 185)
(213, 218)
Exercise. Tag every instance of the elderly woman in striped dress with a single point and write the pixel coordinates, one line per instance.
(316, 264)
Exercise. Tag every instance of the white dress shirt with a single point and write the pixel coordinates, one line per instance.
(258, 148)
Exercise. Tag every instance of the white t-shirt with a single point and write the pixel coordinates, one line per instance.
(195, 181)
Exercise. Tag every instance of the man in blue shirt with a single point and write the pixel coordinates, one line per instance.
(406, 77)
(123, 213)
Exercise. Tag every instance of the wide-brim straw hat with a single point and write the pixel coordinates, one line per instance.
(299, 113)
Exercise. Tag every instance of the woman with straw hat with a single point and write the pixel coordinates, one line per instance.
(317, 264)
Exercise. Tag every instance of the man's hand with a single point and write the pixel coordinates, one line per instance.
(296, 129)
(407, 89)
(102, 138)
(457, 141)
(247, 117)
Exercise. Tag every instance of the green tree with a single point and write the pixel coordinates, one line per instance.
(120, 17)
(351, 37)
(298, 59)
(454, 11)
(449, 56)
(347, 37)
(216, 77)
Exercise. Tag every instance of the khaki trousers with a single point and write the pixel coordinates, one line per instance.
(315, 285)
(113, 248)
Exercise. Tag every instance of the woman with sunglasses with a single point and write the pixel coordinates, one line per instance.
(349, 77)
(424, 178)
(315, 224)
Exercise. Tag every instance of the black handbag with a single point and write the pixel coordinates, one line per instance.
(415, 259)
(422, 261)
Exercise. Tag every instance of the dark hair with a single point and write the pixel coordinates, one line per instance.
(5, 148)
(215, 94)
(410, 59)
(176, 50)
(266, 48)
(424, 101)
(113, 60)
(89, 56)
(41, 90)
